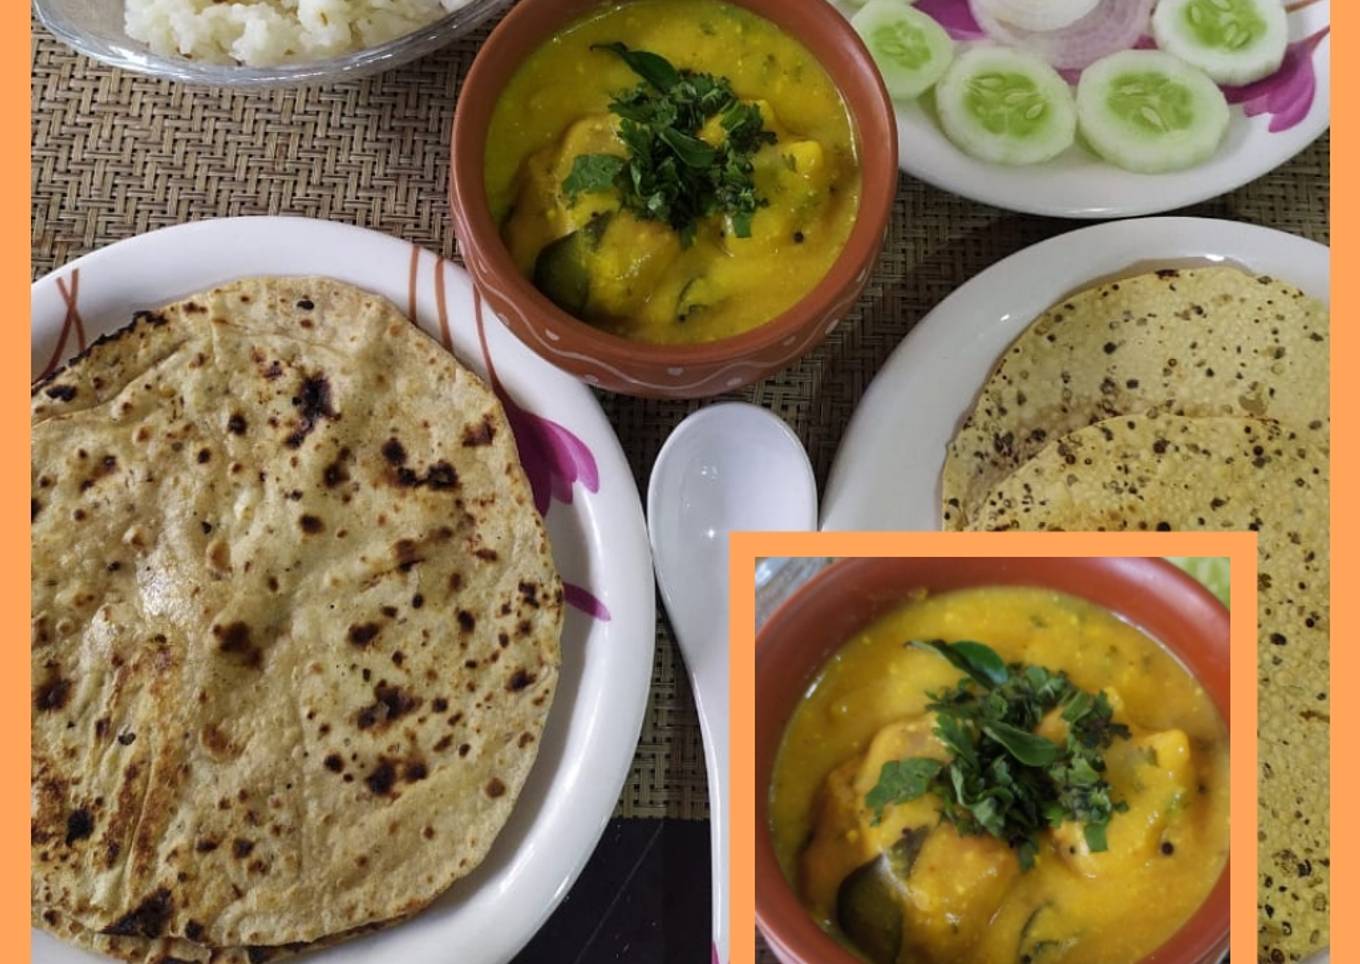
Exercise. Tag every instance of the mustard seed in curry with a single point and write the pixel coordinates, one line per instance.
(673, 171)
(1105, 762)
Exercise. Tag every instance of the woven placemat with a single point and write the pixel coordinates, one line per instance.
(116, 155)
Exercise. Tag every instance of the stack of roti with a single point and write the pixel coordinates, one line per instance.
(295, 626)
(1189, 399)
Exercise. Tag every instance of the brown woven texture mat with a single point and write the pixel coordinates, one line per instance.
(116, 155)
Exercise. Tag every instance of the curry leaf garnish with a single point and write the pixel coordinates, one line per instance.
(670, 174)
(1029, 749)
(1002, 778)
(691, 151)
(975, 659)
(653, 68)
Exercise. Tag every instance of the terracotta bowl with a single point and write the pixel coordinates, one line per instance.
(671, 371)
(844, 598)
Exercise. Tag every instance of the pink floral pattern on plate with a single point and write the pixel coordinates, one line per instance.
(1286, 95)
(70, 294)
(954, 15)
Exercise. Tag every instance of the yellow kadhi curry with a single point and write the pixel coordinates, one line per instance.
(639, 275)
(964, 899)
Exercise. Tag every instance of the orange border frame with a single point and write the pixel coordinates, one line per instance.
(15, 102)
(1345, 659)
(16, 123)
(744, 548)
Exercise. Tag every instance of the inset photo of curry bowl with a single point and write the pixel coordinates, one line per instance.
(981, 760)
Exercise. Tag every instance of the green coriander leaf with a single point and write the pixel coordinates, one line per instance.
(653, 68)
(900, 781)
(1078, 707)
(1082, 774)
(987, 812)
(741, 224)
(592, 174)
(977, 660)
(1026, 853)
(1095, 837)
(957, 737)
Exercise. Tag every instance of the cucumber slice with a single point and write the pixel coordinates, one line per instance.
(1148, 111)
(1003, 105)
(911, 50)
(1233, 41)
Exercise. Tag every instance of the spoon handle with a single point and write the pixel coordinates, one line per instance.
(709, 679)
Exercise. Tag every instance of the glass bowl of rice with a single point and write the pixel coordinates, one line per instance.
(261, 43)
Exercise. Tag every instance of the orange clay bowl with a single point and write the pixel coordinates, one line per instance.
(671, 371)
(816, 621)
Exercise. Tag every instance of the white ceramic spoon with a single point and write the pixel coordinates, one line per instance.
(728, 467)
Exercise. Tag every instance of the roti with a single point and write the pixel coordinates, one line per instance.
(1158, 471)
(1208, 341)
(295, 620)
(172, 950)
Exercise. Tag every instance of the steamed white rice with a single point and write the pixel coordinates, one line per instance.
(264, 32)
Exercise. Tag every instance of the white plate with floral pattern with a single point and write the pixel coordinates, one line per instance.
(582, 486)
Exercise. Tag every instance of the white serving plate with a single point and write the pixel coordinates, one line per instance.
(887, 470)
(1078, 184)
(594, 518)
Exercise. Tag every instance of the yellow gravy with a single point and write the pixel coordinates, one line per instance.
(644, 282)
(966, 900)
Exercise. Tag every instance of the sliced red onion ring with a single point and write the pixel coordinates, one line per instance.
(1112, 26)
(1041, 15)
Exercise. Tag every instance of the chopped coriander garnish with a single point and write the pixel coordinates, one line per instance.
(1002, 778)
(591, 174)
(669, 174)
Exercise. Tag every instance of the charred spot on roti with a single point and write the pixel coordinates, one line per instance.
(313, 404)
(236, 424)
(381, 778)
(234, 643)
(52, 694)
(519, 679)
(335, 473)
(241, 848)
(311, 525)
(361, 634)
(147, 919)
(390, 703)
(439, 476)
(466, 621)
(495, 788)
(79, 825)
(394, 452)
(155, 319)
(483, 433)
(62, 393)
